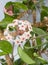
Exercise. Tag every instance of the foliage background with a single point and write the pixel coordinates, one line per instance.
(25, 17)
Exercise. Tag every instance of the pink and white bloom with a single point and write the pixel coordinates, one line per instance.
(22, 32)
(8, 12)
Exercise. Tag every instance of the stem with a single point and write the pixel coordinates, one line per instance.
(34, 12)
(8, 60)
(21, 14)
(34, 16)
(12, 53)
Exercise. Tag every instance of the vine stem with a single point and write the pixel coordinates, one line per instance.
(34, 16)
(8, 60)
(21, 14)
(13, 52)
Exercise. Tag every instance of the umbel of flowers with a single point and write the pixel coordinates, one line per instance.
(18, 31)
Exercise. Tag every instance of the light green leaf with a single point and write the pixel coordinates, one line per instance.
(24, 56)
(40, 58)
(38, 31)
(6, 21)
(6, 47)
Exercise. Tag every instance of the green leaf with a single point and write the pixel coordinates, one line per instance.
(40, 58)
(18, 62)
(27, 44)
(16, 11)
(3, 62)
(44, 12)
(32, 33)
(6, 21)
(24, 56)
(38, 31)
(27, 47)
(39, 42)
(20, 5)
(6, 47)
(45, 46)
(25, 1)
(16, 4)
(46, 37)
(8, 4)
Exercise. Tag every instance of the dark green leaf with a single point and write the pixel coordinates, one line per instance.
(18, 62)
(27, 44)
(24, 56)
(44, 12)
(39, 42)
(16, 11)
(6, 47)
(20, 5)
(8, 4)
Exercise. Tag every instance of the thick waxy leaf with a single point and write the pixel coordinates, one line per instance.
(8, 4)
(40, 58)
(17, 4)
(24, 56)
(20, 5)
(38, 31)
(6, 21)
(44, 12)
(5, 47)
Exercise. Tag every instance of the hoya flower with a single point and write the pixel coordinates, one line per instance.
(8, 11)
(18, 31)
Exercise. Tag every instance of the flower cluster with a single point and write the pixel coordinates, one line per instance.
(18, 31)
(8, 11)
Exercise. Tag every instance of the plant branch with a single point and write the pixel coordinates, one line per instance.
(8, 60)
(12, 53)
(35, 46)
